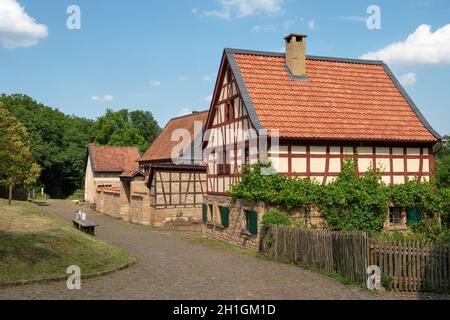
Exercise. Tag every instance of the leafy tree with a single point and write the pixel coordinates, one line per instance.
(124, 128)
(443, 164)
(58, 142)
(17, 166)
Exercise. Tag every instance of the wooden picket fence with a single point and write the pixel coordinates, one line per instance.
(344, 253)
(409, 266)
(413, 266)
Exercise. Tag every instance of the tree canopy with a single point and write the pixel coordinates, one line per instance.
(126, 128)
(17, 166)
(443, 164)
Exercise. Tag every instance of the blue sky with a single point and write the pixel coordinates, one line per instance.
(163, 56)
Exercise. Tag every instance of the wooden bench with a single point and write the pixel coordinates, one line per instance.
(85, 226)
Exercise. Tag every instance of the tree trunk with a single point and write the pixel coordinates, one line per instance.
(10, 194)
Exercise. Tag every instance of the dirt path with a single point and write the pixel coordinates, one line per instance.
(172, 267)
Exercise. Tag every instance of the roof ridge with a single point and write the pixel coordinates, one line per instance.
(187, 115)
(108, 146)
(308, 57)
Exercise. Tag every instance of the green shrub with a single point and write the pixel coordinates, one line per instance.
(387, 282)
(432, 230)
(275, 217)
(353, 202)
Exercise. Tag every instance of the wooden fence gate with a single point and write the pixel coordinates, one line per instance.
(413, 266)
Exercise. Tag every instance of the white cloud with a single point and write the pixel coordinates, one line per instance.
(208, 98)
(155, 83)
(181, 78)
(206, 78)
(421, 47)
(408, 79)
(257, 29)
(244, 8)
(17, 28)
(106, 97)
(311, 25)
(194, 10)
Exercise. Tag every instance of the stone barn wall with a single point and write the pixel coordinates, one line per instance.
(235, 227)
(108, 202)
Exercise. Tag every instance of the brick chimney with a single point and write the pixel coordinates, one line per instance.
(296, 54)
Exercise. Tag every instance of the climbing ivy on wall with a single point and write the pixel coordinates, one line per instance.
(350, 202)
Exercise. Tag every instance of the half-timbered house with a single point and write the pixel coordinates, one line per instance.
(306, 114)
(174, 173)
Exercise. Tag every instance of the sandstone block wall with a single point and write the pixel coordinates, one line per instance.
(108, 202)
(237, 233)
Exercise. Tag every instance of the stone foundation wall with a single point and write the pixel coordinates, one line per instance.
(160, 217)
(108, 202)
(236, 232)
(136, 213)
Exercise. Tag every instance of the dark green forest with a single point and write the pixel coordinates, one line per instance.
(59, 141)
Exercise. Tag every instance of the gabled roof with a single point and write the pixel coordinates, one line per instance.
(342, 99)
(161, 148)
(131, 174)
(113, 159)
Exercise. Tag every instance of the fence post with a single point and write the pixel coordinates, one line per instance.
(372, 252)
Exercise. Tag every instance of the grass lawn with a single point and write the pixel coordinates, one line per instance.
(36, 244)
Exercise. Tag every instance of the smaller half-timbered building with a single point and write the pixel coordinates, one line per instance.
(174, 173)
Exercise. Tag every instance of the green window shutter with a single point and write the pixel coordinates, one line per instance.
(413, 215)
(252, 222)
(204, 213)
(225, 216)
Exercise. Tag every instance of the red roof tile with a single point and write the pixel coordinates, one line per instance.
(161, 148)
(114, 159)
(340, 100)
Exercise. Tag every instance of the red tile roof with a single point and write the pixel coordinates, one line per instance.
(131, 174)
(161, 148)
(114, 159)
(342, 99)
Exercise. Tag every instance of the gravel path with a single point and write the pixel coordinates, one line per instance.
(172, 267)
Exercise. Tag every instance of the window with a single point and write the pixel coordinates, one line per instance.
(229, 111)
(223, 170)
(224, 216)
(251, 221)
(395, 216)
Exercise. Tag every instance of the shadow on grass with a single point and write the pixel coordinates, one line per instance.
(28, 249)
(41, 203)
